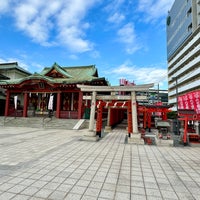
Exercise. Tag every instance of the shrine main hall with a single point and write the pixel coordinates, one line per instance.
(54, 88)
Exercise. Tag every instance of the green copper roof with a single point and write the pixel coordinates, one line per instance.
(67, 75)
(13, 65)
(58, 69)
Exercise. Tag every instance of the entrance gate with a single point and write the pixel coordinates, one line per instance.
(102, 96)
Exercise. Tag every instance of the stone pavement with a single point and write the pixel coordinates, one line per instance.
(56, 164)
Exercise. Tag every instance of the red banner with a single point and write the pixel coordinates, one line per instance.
(190, 101)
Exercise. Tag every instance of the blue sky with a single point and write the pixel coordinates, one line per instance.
(123, 38)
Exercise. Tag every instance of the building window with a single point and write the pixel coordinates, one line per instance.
(189, 12)
(190, 27)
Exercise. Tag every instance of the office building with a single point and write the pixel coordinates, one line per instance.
(183, 48)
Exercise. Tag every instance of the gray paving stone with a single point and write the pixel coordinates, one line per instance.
(169, 194)
(17, 189)
(85, 197)
(20, 197)
(92, 192)
(7, 195)
(30, 191)
(108, 194)
(122, 196)
(43, 193)
(50, 164)
(72, 196)
(5, 186)
(57, 195)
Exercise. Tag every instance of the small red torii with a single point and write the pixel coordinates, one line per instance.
(189, 116)
(147, 111)
(114, 104)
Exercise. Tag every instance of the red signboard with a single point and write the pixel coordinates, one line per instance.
(190, 101)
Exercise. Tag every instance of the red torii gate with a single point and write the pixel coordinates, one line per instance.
(147, 111)
(188, 117)
(111, 94)
(113, 104)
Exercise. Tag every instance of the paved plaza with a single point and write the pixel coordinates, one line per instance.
(57, 164)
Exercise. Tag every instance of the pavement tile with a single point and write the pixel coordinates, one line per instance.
(85, 197)
(43, 193)
(138, 190)
(153, 192)
(64, 187)
(70, 181)
(109, 186)
(27, 182)
(92, 192)
(6, 186)
(51, 185)
(123, 189)
(57, 195)
(39, 184)
(58, 179)
(138, 197)
(185, 196)
(122, 196)
(108, 194)
(84, 183)
(30, 191)
(169, 194)
(7, 195)
(95, 184)
(78, 190)
(16, 180)
(135, 183)
(21, 197)
(17, 188)
(72, 196)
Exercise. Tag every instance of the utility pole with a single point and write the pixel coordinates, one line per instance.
(177, 122)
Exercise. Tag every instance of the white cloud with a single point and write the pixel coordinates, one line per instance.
(114, 5)
(4, 5)
(154, 9)
(141, 75)
(116, 18)
(64, 18)
(128, 37)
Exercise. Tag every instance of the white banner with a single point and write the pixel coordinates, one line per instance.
(15, 102)
(50, 104)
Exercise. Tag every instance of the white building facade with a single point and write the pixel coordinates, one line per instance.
(183, 48)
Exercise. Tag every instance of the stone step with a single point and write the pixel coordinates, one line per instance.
(36, 122)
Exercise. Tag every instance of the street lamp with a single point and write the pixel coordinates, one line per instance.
(177, 122)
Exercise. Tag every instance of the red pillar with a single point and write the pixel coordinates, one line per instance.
(185, 131)
(58, 105)
(25, 104)
(130, 125)
(111, 117)
(99, 120)
(164, 114)
(80, 103)
(149, 120)
(145, 119)
(7, 102)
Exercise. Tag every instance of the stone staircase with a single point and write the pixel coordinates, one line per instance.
(40, 122)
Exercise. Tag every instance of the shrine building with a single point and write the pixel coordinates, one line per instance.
(55, 88)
